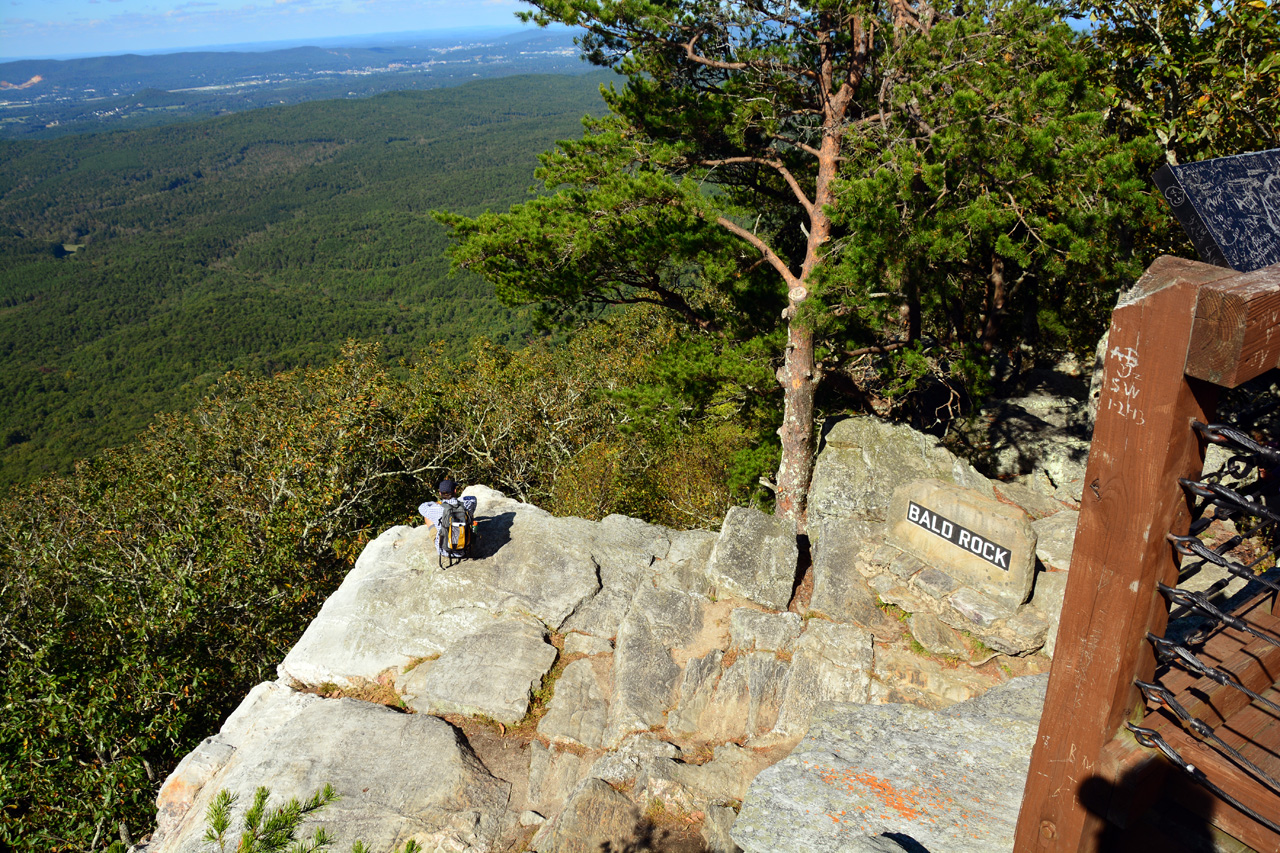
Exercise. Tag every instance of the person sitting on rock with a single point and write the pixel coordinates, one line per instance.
(434, 511)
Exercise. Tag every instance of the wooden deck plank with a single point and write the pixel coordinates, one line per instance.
(1255, 733)
(1219, 770)
(1254, 661)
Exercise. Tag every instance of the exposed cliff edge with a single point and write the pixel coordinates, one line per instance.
(680, 665)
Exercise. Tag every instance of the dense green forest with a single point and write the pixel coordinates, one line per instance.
(137, 267)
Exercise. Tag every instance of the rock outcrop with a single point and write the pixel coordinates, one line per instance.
(863, 460)
(1041, 436)
(866, 775)
(442, 795)
(583, 683)
(397, 607)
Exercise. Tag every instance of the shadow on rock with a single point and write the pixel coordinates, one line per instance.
(648, 837)
(906, 842)
(492, 533)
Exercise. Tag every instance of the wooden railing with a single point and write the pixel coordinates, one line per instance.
(1184, 331)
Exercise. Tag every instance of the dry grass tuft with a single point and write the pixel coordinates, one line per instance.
(380, 692)
(541, 696)
(414, 663)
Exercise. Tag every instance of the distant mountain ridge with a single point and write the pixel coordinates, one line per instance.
(104, 92)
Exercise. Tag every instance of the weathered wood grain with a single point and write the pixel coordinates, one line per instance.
(1236, 333)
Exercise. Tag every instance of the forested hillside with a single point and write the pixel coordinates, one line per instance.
(137, 267)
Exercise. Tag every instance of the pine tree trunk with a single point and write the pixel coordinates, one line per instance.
(799, 387)
(798, 375)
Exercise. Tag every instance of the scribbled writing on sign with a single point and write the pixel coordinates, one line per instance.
(1125, 384)
(957, 535)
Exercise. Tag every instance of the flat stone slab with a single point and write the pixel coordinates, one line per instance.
(579, 709)
(935, 583)
(399, 776)
(904, 677)
(595, 818)
(491, 673)
(840, 592)
(698, 685)
(685, 566)
(645, 675)
(396, 605)
(978, 541)
(1056, 539)
(765, 632)
(585, 644)
(936, 637)
(1035, 502)
(977, 608)
(1051, 589)
(864, 459)
(623, 549)
(755, 557)
(553, 774)
(746, 699)
(832, 661)
(948, 780)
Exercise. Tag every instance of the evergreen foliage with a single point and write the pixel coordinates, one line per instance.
(994, 213)
(268, 831)
(275, 830)
(743, 176)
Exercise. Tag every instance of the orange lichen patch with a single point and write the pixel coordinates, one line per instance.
(911, 803)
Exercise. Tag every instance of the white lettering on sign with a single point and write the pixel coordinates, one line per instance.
(968, 540)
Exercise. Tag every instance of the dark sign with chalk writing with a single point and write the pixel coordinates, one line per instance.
(961, 537)
(1228, 207)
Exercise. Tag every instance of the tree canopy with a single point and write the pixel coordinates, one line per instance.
(994, 203)
(1201, 77)
(842, 179)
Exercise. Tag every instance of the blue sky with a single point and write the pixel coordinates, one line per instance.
(54, 28)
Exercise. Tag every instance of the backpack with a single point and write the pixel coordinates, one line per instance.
(456, 532)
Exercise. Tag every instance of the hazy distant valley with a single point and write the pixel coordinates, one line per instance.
(46, 98)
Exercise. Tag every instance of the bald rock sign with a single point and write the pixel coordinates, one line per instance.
(952, 532)
(980, 542)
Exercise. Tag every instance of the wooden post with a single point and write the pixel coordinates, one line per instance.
(1142, 444)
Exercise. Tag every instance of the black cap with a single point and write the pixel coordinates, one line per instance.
(447, 487)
